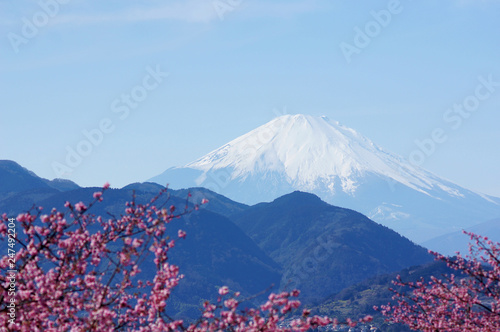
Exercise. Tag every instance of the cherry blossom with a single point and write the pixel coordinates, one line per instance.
(468, 301)
(77, 272)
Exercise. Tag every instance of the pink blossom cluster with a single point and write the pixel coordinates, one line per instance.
(469, 301)
(78, 272)
(270, 316)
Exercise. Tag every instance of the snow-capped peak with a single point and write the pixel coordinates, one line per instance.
(309, 150)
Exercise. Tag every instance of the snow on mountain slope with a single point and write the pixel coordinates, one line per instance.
(308, 149)
(314, 154)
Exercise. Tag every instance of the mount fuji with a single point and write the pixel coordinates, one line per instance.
(344, 168)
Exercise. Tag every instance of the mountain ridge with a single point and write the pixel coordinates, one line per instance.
(321, 244)
(14, 178)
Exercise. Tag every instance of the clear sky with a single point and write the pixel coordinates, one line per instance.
(392, 70)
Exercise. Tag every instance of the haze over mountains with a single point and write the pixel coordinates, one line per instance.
(450, 243)
(342, 167)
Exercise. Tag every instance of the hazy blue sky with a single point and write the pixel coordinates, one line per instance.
(234, 65)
